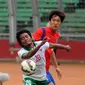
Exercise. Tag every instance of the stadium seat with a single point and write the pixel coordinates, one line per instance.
(43, 24)
(80, 11)
(73, 25)
(24, 14)
(3, 16)
(70, 1)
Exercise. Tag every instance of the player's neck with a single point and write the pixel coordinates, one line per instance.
(52, 30)
(30, 47)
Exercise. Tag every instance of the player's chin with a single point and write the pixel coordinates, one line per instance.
(55, 29)
(29, 44)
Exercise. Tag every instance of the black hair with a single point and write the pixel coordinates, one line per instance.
(58, 13)
(20, 32)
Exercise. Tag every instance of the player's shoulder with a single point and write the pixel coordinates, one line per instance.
(40, 29)
(21, 50)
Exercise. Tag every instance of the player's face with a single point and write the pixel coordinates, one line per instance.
(55, 23)
(26, 40)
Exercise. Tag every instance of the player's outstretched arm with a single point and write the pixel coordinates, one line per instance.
(60, 46)
(32, 52)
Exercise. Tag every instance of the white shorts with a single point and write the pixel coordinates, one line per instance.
(4, 77)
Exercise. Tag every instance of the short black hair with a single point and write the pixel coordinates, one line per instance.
(20, 32)
(58, 13)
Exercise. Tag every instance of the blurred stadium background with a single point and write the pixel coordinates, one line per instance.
(31, 14)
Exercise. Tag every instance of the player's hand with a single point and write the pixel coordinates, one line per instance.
(68, 48)
(44, 41)
(46, 38)
(59, 73)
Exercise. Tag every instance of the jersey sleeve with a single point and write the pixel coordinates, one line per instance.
(38, 34)
(45, 46)
(21, 52)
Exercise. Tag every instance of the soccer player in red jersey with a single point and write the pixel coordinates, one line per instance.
(56, 17)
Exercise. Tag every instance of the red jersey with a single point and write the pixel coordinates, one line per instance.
(53, 38)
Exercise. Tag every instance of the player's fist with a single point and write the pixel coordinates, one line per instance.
(47, 38)
(59, 73)
(68, 48)
(44, 40)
